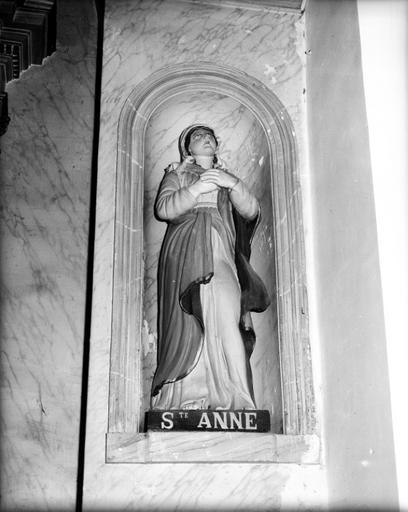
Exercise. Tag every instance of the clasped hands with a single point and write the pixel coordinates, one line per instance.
(213, 179)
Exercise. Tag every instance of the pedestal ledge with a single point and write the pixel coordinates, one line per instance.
(208, 447)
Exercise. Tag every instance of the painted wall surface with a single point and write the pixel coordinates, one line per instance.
(357, 416)
(385, 70)
(142, 37)
(45, 176)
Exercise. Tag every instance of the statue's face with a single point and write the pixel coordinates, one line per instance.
(202, 143)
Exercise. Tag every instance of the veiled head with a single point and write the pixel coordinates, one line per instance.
(198, 140)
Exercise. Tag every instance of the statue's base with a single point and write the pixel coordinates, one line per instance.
(204, 420)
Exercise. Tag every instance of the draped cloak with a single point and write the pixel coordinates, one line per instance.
(186, 263)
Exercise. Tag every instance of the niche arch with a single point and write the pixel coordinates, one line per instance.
(292, 308)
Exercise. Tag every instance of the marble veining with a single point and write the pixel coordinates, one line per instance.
(46, 162)
(141, 37)
(162, 33)
(232, 447)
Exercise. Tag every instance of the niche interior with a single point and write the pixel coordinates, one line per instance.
(257, 142)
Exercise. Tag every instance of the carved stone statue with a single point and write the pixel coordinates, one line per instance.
(206, 285)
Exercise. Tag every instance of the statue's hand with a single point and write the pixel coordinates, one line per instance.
(202, 186)
(219, 177)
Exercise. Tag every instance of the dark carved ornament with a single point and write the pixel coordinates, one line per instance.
(27, 36)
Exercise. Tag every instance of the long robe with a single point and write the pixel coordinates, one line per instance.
(206, 290)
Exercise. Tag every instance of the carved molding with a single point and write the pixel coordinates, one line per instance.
(125, 370)
(296, 6)
(27, 36)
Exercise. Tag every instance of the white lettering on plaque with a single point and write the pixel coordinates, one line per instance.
(167, 422)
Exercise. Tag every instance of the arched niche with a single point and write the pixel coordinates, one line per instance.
(243, 146)
(130, 334)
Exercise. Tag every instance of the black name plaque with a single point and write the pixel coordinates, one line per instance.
(205, 420)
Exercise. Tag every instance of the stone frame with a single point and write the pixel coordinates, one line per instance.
(125, 443)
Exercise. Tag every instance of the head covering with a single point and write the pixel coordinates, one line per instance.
(184, 139)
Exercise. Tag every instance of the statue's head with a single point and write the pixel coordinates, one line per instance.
(198, 140)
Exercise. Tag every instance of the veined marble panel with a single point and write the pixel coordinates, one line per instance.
(45, 175)
(142, 37)
(212, 447)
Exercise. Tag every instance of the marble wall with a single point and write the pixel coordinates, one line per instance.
(141, 37)
(45, 177)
